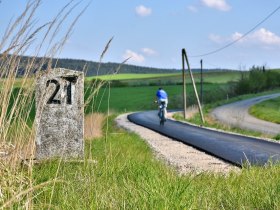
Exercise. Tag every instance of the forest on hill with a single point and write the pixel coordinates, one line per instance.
(90, 67)
(108, 68)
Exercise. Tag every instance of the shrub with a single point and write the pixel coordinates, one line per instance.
(257, 80)
(277, 137)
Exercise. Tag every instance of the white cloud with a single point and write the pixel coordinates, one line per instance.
(237, 36)
(149, 51)
(192, 8)
(133, 56)
(143, 11)
(217, 4)
(262, 37)
(266, 37)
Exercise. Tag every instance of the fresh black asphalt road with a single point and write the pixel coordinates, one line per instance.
(236, 149)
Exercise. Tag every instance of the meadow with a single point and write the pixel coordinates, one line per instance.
(130, 92)
(267, 110)
(169, 78)
(127, 99)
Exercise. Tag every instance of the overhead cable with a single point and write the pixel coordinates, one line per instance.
(241, 37)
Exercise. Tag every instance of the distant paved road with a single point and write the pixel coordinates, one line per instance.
(236, 114)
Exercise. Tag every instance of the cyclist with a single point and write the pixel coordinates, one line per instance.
(162, 97)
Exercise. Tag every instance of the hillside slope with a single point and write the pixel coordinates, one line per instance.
(92, 68)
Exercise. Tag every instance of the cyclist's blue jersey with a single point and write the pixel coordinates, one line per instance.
(161, 94)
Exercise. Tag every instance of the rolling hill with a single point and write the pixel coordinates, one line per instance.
(92, 68)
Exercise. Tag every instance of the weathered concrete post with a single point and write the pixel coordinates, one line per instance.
(60, 114)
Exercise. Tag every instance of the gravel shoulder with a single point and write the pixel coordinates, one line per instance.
(185, 159)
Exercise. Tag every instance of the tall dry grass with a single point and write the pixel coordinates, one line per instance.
(93, 125)
(23, 35)
(17, 131)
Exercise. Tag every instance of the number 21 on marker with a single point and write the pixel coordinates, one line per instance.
(68, 89)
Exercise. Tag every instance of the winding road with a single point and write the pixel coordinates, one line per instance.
(233, 148)
(236, 114)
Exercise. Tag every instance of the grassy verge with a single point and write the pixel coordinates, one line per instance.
(267, 110)
(127, 176)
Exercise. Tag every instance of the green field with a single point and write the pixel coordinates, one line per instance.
(131, 92)
(208, 77)
(267, 110)
(133, 76)
(126, 99)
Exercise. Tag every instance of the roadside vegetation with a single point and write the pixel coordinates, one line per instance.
(119, 170)
(267, 110)
(257, 80)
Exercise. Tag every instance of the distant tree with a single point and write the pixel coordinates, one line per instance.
(257, 80)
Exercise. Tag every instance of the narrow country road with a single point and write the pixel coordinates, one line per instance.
(236, 149)
(236, 114)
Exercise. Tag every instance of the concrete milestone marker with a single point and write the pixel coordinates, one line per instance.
(60, 114)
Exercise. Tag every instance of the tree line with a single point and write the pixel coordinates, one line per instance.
(257, 80)
(91, 68)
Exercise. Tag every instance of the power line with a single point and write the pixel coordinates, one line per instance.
(241, 37)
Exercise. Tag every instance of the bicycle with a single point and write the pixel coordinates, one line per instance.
(162, 112)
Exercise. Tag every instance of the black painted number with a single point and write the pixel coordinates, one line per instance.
(67, 89)
(57, 87)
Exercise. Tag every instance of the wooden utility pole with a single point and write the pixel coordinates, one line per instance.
(201, 81)
(184, 85)
(184, 55)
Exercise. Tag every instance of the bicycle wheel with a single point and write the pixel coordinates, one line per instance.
(162, 117)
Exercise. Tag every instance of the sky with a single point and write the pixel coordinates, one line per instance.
(153, 33)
